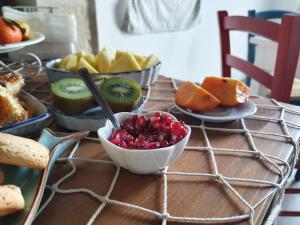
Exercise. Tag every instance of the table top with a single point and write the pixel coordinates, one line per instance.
(190, 196)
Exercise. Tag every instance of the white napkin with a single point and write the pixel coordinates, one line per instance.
(149, 16)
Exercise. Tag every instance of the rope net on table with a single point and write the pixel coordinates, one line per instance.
(282, 168)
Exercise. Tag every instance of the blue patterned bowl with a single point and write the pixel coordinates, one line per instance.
(32, 125)
(91, 119)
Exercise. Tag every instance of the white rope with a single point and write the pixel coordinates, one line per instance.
(282, 168)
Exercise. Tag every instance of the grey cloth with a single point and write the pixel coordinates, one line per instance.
(151, 16)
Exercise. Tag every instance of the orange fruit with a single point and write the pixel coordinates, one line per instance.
(192, 96)
(9, 32)
(229, 91)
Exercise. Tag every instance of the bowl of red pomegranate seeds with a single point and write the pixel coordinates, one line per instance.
(145, 143)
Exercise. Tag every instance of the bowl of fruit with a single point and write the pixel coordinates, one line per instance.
(132, 66)
(16, 34)
(74, 106)
(145, 143)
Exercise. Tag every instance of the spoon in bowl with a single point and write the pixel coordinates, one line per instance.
(98, 96)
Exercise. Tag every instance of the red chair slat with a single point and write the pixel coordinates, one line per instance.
(252, 25)
(242, 65)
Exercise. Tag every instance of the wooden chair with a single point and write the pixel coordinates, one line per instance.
(266, 15)
(286, 34)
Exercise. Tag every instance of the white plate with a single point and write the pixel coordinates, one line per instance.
(36, 38)
(223, 113)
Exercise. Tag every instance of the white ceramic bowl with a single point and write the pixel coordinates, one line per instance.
(140, 161)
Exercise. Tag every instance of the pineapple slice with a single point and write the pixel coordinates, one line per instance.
(79, 54)
(119, 54)
(70, 63)
(63, 62)
(126, 63)
(104, 60)
(140, 59)
(150, 61)
(90, 58)
(84, 64)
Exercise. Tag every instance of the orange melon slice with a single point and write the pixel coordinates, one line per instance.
(194, 97)
(229, 91)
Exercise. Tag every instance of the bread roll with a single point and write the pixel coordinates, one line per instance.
(11, 199)
(22, 152)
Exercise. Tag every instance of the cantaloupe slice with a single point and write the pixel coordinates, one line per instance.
(126, 63)
(192, 96)
(229, 91)
(84, 64)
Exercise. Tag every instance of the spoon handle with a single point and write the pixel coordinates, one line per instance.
(98, 97)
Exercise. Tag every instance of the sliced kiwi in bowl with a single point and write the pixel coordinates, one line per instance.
(71, 96)
(99, 79)
(121, 94)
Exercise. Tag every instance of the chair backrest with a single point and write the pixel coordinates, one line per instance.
(267, 15)
(286, 34)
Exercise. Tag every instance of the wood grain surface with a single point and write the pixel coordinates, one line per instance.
(187, 196)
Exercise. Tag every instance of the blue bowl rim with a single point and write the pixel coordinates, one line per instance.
(56, 111)
(48, 67)
(28, 121)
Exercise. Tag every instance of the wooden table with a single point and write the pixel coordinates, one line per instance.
(188, 196)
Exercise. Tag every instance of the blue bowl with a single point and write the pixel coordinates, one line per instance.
(32, 125)
(90, 120)
(144, 77)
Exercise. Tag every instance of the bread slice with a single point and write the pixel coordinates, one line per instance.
(13, 83)
(11, 200)
(21, 151)
(11, 109)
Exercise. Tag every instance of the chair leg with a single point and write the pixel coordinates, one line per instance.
(297, 176)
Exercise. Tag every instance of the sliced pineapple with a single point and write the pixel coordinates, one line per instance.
(119, 54)
(126, 63)
(79, 54)
(62, 63)
(71, 63)
(84, 64)
(90, 58)
(140, 59)
(150, 61)
(104, 60)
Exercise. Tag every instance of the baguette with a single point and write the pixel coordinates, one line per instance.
(11, 199)
(22, 152)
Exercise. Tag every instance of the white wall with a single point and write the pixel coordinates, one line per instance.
(291, 5)
(187, 55)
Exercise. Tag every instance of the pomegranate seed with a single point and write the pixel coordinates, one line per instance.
(140, 132)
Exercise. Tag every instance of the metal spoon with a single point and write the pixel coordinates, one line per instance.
(98, 97)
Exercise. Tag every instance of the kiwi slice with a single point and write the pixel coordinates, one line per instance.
(121, 94)
(99, 79)
(71, 96)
